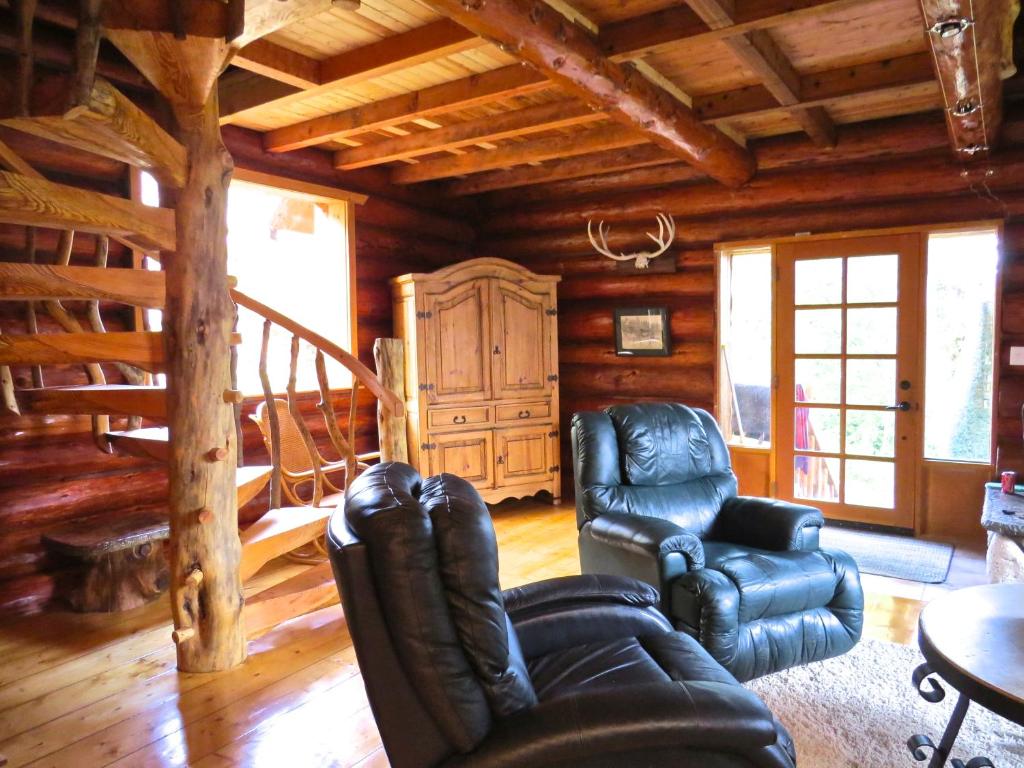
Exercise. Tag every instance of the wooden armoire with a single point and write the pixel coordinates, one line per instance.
(481, 375)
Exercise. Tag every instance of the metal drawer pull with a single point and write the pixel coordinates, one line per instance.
(460, 419)
(524, 414)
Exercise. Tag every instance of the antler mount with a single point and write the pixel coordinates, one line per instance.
(666, 234)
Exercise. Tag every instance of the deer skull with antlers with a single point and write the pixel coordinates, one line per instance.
(666, 234)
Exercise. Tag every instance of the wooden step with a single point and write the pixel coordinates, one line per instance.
(110, 399)
(36, 202)
(279, 532)
(142, 349)
(106, 123)
(39, 282)
(309, 591)
(146, 443)
(250, 481)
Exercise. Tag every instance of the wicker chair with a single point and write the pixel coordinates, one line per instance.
(297, 473)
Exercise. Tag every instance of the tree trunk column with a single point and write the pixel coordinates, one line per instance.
(206, 591)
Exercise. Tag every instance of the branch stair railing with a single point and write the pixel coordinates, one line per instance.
(105, 122)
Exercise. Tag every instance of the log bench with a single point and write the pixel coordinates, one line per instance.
(117, 566)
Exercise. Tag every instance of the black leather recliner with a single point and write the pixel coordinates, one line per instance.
(656, 500)
(580, 671)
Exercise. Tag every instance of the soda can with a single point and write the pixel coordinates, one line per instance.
(1009, 481)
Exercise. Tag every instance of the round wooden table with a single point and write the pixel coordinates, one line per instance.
(974, 640)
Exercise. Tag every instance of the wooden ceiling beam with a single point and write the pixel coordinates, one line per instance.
(830, 87)
(571, 57)
(472, 91)
(680, 26)
(758, 51)
(406, 49)
(973, 55)
(504, 125)
(279, 63)
(536, 151)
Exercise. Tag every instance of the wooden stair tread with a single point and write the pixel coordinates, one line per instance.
(250, 481)
(39, 203)
(87, 540)
(39, 282)
(279, 532)
(142, 349)
(310, 590)
(110, 399)
(107, 123)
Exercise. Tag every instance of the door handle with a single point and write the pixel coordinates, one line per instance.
(900, 406)
(497, 349)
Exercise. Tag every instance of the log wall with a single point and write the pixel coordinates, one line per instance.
(891, 173)
(50, 471)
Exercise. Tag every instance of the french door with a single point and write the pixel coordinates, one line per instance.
(847, 400)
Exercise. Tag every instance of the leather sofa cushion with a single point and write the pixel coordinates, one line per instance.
(469, 570)
(773, 584)
(382, 509)
(661, 443)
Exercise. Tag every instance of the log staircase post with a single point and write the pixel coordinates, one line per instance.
(198, 320)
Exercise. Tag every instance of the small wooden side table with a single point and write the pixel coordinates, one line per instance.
(974, 640)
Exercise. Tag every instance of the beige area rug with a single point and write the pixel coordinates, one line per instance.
(858, 710)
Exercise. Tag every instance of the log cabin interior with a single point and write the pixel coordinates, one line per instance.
(291, 289)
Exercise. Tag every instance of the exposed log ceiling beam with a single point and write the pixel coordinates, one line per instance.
(406, 49)
(571, 57)
(971, 62)
(279, 63)
(538, 150)
(505, 125)
(830, 87)
(760, 54)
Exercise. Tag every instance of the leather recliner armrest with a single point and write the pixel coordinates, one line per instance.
(627, 721)
(768, 524)
(569, 611)
(650, 536)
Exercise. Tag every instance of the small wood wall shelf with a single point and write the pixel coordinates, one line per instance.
(481, 375)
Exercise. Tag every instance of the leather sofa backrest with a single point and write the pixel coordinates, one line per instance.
(433, 562)
(662, 460)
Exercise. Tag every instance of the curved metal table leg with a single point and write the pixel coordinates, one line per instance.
(917, 744)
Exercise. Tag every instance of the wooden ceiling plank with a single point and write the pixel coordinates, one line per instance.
(538, 150)
(505, 125)
(679, 25)
(758, 51)
(972, 59)
(572, 58)
(279, 63)
(506, 82)
(406, 49)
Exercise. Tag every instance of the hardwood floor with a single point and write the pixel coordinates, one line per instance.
(96, 690)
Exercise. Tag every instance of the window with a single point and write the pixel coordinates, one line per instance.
(745, 365)
(289, 251)
(959, 345)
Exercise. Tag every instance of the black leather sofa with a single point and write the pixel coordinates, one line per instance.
(580, 671)
(656, 500)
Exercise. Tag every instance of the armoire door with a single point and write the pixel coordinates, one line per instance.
(522, 455)
(470, 455)
(455, 328)
(520, 341)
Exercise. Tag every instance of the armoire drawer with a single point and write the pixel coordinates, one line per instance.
(523, 411)
(447, 418)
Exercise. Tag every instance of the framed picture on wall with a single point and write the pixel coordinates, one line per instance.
(642, 331)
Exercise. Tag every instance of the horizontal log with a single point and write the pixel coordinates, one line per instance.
(144, 350)
(1013, 313)
(138, 287)
(580, 321)
(864, 182)
(50, 158)
(682, 354)
(683, 384)
(35, 202)
(638, 288)
(596, 263)
(112, 399)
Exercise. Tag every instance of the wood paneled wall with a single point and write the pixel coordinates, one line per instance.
(887, 174)
(50, 471)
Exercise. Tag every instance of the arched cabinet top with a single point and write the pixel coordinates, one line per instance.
(476, 268)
